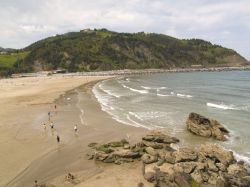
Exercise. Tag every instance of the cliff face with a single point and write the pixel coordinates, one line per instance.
(94, 50)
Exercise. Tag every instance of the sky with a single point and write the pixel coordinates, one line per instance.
(223, 22)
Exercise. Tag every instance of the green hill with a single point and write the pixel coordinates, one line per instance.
(96, 50)
(8, 61)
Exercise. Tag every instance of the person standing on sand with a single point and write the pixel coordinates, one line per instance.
(58, 138)
(51, 125)
(75, 129)
(49, 115)
(44, 126)
(35, 185)
(55, 109)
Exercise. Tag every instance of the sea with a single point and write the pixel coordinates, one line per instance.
(164, 101)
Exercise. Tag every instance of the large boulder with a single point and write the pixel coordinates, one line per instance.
(236, 181)
(148, 159)
(183, 179)
(151, 151)
(169, 158)
(149, 176)
(216, 153)
(164, 179)
(185, 167)
(167, 168)
(237, 170)
(154, 145)
(99, 155)
(185, 154)
(126, 154)
(159, 137)
(206, 127)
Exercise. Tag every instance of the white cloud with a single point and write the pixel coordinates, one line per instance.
(221, 21)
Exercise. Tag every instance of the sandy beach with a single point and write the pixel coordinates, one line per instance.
(29, 152)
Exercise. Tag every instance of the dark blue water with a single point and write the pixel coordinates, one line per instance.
(165, 101)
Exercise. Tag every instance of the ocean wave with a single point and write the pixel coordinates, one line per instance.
(228, 107)
(162, 95)
(103, 100)
(150, 115)
(135, 90)
(183, 95)
(136, 124)
(154, 88)
(110, 110)
(222, 106)
(146, 87)
(109, 92)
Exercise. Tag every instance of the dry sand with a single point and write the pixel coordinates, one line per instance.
(29, 152)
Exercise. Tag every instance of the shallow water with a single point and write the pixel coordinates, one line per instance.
(165, 101)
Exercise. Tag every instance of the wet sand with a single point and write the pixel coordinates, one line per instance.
(29, 152)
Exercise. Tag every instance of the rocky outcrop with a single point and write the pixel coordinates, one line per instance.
(206, 127)
(216, 153)
(185, 154)
(208, 165)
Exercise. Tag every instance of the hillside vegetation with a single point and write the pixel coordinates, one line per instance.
(96, 50)
(8, 60)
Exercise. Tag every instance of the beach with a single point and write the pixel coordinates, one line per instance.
(100, 107)
(29, 152)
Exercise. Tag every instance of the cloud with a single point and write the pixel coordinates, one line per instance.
(225, 22)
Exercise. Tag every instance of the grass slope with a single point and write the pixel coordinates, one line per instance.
(7, 61)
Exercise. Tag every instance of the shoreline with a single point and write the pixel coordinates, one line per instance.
(135, 71)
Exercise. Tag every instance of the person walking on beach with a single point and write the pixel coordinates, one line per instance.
(75, 129)
(55, 109)
(58, 138)
(51, 125)
(35, 183)
(44, 126)
(49, 115)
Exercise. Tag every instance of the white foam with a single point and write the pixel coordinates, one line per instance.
(146, 87)
(105, 107)
(136, 124)
(159, 127)
(241, 157)
(154, 88)
(221, 106)
(135, 90)
(183, 95)
(172, 93)
(109, 92)
(101, 99)
(135, 115)
(162, 95)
